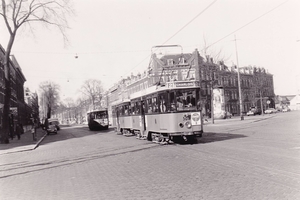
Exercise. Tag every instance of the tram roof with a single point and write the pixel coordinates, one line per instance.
(166, 86)
(119, 101)
(97, 110)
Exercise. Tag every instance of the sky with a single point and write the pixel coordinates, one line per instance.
(113, 38)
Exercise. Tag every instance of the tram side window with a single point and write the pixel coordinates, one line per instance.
(126, 110)
(162, 103)
(132, 106)
(154, 105)
(149, 106)
(137, 107)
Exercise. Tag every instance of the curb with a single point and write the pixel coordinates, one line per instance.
(39, 142)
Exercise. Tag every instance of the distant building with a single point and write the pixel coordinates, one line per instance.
(256, 83)
(295, 102)
(288, 101)
(32, 100)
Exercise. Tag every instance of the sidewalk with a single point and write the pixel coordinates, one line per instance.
(237, 119)
(26, 142)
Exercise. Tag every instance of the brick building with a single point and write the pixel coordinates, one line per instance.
(18, 107)
(256, 83)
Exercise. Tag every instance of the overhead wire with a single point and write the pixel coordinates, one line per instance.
(236, 30)
(200, 13)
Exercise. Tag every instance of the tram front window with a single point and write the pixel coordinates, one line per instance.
(186, 100)
(97, 115)
(100, 115)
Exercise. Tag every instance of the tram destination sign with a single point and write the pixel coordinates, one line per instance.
(181, 84)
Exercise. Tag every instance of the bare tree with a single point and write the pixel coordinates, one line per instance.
(69, 102)
(18, 13)
(211, 54)
(94, 90)
(49, 93)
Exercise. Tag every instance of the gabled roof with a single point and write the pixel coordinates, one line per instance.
(175, 57)
(290, 97)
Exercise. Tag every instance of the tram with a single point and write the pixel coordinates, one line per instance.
(98, 119)
(162, 114)
(163, 104)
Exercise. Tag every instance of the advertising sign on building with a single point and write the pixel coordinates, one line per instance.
(218, 102)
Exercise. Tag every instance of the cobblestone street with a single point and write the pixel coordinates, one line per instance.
(246, 160)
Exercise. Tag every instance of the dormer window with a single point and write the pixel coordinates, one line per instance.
(182, 61)
(170, 62)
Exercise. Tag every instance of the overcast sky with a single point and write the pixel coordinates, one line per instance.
(113, 38)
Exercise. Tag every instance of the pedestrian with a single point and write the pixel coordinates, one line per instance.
(19, 130)
(33, 129)
(11, 126)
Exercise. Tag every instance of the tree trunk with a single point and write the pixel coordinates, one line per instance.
(49, 111)
(5, 119)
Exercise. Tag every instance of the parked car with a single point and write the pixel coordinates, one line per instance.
(53, 126)
(270, 111)
(225, 115)
(253, 111)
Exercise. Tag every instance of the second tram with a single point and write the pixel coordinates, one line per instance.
(98, 119)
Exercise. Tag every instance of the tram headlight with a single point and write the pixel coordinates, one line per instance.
(188, 124)
(181, 125)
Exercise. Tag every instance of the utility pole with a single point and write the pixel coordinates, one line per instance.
(212, 102)
(239, 81)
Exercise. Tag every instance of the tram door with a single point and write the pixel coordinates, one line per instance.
(143, 116)
(118, 118)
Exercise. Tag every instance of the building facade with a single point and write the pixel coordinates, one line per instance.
(19, 110)
(257, 85)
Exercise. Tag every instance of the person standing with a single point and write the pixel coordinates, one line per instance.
(33, 129)
(18, 131)
(11, 126)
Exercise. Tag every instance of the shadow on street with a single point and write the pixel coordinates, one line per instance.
(216, 137)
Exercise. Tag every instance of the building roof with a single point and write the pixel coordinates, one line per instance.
(175, 57)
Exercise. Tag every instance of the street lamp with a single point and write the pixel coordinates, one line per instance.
(239, 81)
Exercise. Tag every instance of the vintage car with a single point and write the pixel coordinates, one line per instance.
(53, 126)
(270, 111)
(253, 111)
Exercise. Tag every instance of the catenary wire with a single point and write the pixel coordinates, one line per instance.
(245, 25)
(257, 18)
(200, 13)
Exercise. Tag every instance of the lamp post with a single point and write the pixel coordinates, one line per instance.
(239, 81)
